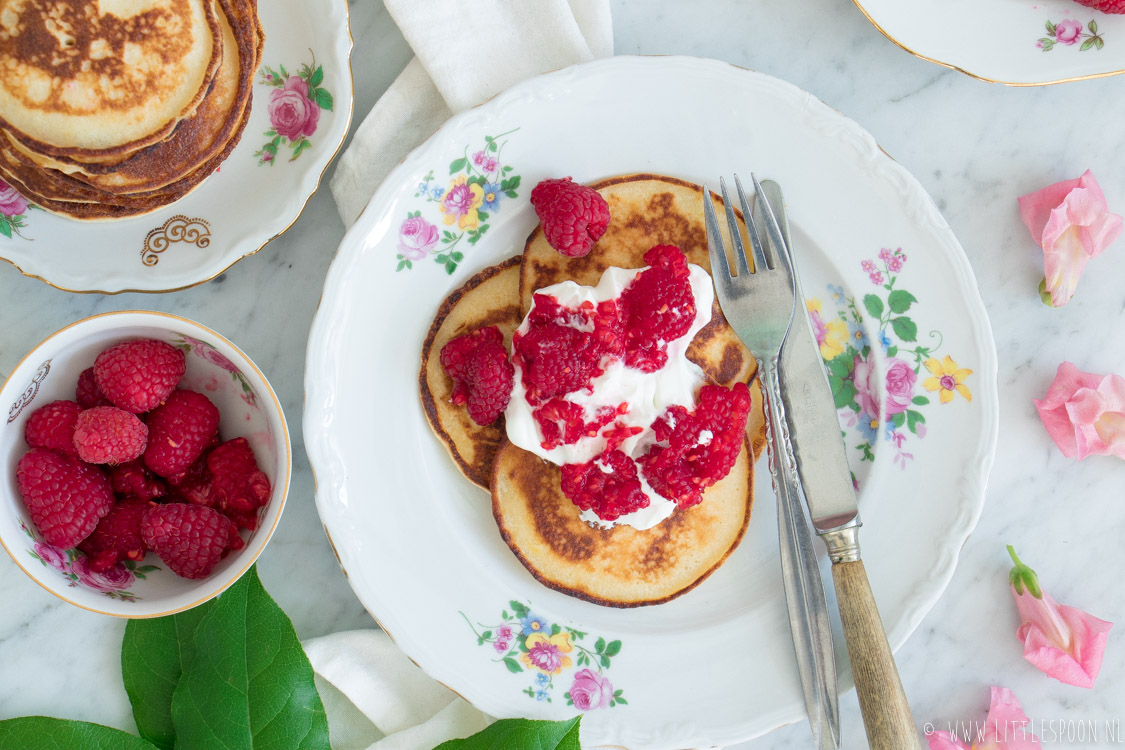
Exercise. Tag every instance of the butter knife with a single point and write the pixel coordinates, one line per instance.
(827, 485)
(816, 657)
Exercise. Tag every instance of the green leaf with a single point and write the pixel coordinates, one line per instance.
(457, 165)
(556, 629)
(441, 258)
(250, 685)
(509, 734)
(1086, 45)
(844, 397)
(511, 194)
(605, 661)
(520, 609)
(457, 256)
(900, 301)
(913, 419)
(492, 147)
(1050, 28)
(621, 700)
(284, 72)
(511, 183)
(482, 215)
(599, 646)
(450, 267)
(613, 648)
(892, 351)
(401, 265)
(874, 305)
(154, 653)
(45, 733)
(920, 400)
(317, 76)
(1098, 42)
(898, 420)
(1093, 26)
(905, 328)
(5, 227)
(512, 665)
(1047, 44)
(840, 366)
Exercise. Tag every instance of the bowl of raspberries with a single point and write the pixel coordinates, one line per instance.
(146, 463)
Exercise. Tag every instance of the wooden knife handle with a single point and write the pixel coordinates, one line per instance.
(886, 713)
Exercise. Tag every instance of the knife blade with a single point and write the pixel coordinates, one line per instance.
(821, 694)
(810, 413)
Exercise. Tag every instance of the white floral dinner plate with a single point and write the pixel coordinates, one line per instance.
(301, 110)
(1016, 42)
(902, 325)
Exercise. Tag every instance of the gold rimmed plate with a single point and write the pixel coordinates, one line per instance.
(1014, 42)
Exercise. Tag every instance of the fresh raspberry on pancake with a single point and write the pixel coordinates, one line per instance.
(482, 375)
(573, 216)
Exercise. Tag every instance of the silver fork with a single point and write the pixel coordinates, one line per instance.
(760, 304)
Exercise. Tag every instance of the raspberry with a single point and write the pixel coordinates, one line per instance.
(194, 485)
(108, 435)
(659, 307)
(66, 497)
(563, 422)
(481, 373)
(117, 536)
(52, 426)
(239, 487)
(139, 375)
(190, 539)
(702, 446)
(134, 480)
(573, 216)
(87, 393)
(556, 360)
(608, 485)
(1105, 6)
(179, 431)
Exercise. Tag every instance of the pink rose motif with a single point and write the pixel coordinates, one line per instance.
(1062, 642)
(1068, 32)
(416, 237)
(11, 202)
(1072, 224)
(52, 556)
(1084, 413)
(115, 579)
(900, 386)
(590, 690)
(867, 387)
(1006, 728)
(210, 353)
(292, 114)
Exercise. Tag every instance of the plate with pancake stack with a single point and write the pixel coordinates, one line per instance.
(148, 146)
(462, 545)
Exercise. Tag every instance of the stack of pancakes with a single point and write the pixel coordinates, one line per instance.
(620, 566)
(115, 108)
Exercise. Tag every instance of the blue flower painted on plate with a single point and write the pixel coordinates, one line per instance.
(534, 624)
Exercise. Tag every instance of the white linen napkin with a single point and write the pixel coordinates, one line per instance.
(449, 73)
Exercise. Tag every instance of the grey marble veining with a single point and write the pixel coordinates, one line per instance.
(974, 146)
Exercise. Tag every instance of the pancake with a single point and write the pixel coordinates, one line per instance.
(645, 210)
(489, 298)
(621, 566)
(98, 80)
(195, 140)
(209, 135)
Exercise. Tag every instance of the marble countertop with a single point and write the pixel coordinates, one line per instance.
(974, 146)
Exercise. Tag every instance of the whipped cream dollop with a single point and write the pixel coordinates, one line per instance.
(648, 394)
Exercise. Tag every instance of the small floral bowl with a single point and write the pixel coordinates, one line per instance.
(248, 407)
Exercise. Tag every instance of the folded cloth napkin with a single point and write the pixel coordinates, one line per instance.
(464, 54)
(377, 699)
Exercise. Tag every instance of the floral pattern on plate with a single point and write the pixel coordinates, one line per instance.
(523, 641)
(478, 182)
(852, 371)
(202, 349)
(295, 104)
(1069, 33)
(13, 211)
(73, 565)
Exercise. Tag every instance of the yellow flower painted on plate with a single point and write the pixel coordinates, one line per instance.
(547, 653)
(461, 202)
(831, 335)
(947, 378)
